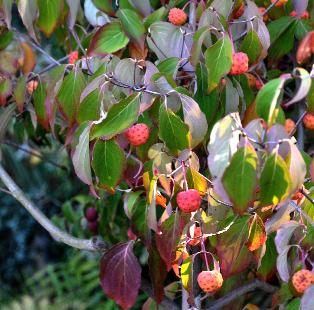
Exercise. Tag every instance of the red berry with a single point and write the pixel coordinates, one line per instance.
(196, 236)
(302, 279)
(137, 134)
(239, 12)
(280, 2)
(308, 121)
(177, 17)
(73, 57)
(289, 125)
(210, 281)
(240, 63)
(305, 14)
(91, 214)
(131, 234)
(93, 227)
(258, 84)
(189, 201)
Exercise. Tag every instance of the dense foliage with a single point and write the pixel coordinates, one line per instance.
(192, 118)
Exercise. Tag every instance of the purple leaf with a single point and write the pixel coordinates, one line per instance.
(307, 301)
(275, 133)
(74, 6)
(282, 264)
(300, 6)
(28, 12)
(120, 274)
(284, 235)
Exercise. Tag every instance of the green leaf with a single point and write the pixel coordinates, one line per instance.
(81, 158)
(39, 96)
(5, 89)
(5, 39)
(156, 16)
(268, 102)
(89, 109)
(49, 14)
(251, 45)
(239, 179)
(105, 6)
(198, 40)
(282, 33)
(187, 273)
(69, 94)
(108, 39)
(120, 117)
(20, 93)
(108, 163)
(218, 60)
(172, 130)
(132, 24)
(308, 208)
(275, 180)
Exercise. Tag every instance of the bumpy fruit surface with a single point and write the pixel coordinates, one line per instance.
(177, 17)
(91, 214)
(308, 121)
(73, 57)
(31, 86)
(138, 134)
(289, 125)
(240, 63)
(189, 201)
(280, 2)
(210, 281)
(302, 279)
(259, 84)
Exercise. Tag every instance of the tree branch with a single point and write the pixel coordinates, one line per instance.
(256, 284)
(83, 244)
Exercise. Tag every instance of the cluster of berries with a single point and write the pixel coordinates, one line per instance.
(91, 216)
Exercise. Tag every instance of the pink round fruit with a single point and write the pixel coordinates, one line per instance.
(189, 201)
(138, 134)
(240, 63)
(210, 281)
(177, 17)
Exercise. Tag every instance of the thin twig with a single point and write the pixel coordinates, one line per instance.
(58, 234)
(235, 294)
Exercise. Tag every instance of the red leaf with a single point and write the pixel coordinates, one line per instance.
(169, 237)
(158, 273)
(257, 233)
(120, 274)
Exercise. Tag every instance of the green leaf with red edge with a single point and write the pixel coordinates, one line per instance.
(108, 39)
(168, 238)
(108, 163)
(239, 178)
(69, 94)
(39, 96)
(267, 269)
(120, 274)
(257, 233)
(268, 102)
(49, 14)
(218, 61)
(5, 89)
(120, 117)
(157, 272)
(20, 93)
(132, 24)
(234, 256)
(105, 6)
(275, 180)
